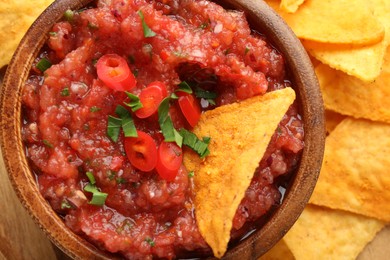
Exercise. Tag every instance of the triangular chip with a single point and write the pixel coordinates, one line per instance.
(322, 233)
(240, 134)
(350, 96)
(355, 173)
(363, 62)
(16, 16)
(334, 21)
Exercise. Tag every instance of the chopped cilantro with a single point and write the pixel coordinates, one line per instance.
(43, 64)
(168, 130)
(65, 204)
(134, 103)
(65, 92)
(113, 127)
(98, 197)
(147, 31)
(47, 143)
(95, 109)
(150, 241)
(191, 174)
(91, 178)
(127, 121)
(192, 141)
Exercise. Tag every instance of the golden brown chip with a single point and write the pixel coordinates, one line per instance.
(290, 6)
(240, 134)
(279, 252)
(355, 172)
(350, 96)
(334, 21)
(16, 16)
(322, 233)
(363, 62)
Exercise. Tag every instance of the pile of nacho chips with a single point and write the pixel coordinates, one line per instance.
(348, 42)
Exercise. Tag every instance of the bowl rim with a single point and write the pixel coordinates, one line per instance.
(304, 81)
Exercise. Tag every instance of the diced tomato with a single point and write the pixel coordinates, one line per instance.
(116, 163)
(141, 151)
(151, 97)
(169, 159)
(190, 108)
(114, 71)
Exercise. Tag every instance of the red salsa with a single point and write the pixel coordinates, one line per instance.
(116, 81)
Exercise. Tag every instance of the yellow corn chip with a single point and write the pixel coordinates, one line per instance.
(355, 172)
(322, 233)
(16, 16)
(350, 96)
(334, 21)
(290, 6)
(363, 62)
(240, 134)
(279, 252)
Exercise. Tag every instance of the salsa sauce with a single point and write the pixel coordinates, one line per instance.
(66, 109)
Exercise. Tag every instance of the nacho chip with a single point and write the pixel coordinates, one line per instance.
(240, 131)
(355, 172)
(279, 252)
(350, 96)
(16, 16)
(363, 62)
(290, 6)
(322, 233)
(334, 21)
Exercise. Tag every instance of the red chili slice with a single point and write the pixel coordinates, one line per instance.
(190, 108)
(169, 160)
(151, 97)
(141, 151)
(114, 71)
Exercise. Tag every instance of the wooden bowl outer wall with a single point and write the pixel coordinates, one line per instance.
(296, 197)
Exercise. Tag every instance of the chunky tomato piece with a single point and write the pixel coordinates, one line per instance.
(141, 151)
(151, 97)
(169, 159)
(114, 71)
(190, 108)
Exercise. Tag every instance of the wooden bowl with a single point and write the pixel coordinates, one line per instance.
(262, 19)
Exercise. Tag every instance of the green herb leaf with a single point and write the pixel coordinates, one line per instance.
(246, 50)
(127, 121)
(201, 93)
(150, 241)
(65, 92)
(43, 64)
(113, 127)
(184, 87)
(69, 15)
(197, 145)
(98, 197)
(53, 34)
(91, 178)
(95, 109)
(134, 103)
(168, 130)
(65, 204)
(120, 180)
(191, 174)
(147, 31)
(47, 143)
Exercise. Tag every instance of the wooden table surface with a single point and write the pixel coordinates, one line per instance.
(20, 237)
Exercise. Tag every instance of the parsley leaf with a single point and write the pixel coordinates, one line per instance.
(147, 31)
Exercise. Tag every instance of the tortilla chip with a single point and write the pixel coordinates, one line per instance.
(355, 172)
(290, 6)
(240, 131)
(322, 233)
(350, 96)
(332, 119)
(363, 62)
(334, 21)
(279, 252)
(16, 16)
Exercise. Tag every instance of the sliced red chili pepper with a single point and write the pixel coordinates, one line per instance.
(169, 159)
(141, 151)
(190, 108)
(114, 71)
(151, 97)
